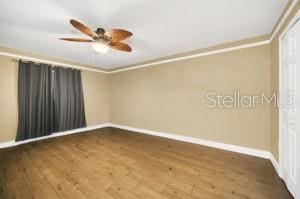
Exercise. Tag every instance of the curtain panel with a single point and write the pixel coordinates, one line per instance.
(35, 102)
(50, 100)
(68, 99)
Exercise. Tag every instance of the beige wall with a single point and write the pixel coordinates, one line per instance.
(171, 97)
(168, 97)
(275, 86)
(96, 96)
(8, 99)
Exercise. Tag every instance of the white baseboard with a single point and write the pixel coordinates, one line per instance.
(89, 128)
(7, 144)
(275, 164)
(219, 145)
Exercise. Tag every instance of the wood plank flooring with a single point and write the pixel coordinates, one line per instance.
(113, 163)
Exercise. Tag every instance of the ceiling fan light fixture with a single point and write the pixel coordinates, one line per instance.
(100, 48)
(101, 40)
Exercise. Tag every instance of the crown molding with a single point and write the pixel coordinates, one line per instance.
(283, 19)
(28, 58)
(213, 52)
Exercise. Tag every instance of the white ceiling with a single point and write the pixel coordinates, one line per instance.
(161, 27)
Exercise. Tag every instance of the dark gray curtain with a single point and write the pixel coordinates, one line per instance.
(35, 102)
(68, 99)
(50, 100)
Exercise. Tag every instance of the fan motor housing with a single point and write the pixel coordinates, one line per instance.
(100, 31)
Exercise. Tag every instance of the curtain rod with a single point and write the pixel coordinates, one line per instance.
(53, 65)
(26, 61)
(38, 63)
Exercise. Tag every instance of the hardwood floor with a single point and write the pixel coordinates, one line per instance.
(112, 163)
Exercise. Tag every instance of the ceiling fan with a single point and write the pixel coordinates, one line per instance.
(102, 40)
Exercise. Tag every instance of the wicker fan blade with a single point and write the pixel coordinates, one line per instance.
(84, 29)
(120, 46)
(77, 39)
(118, 34)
